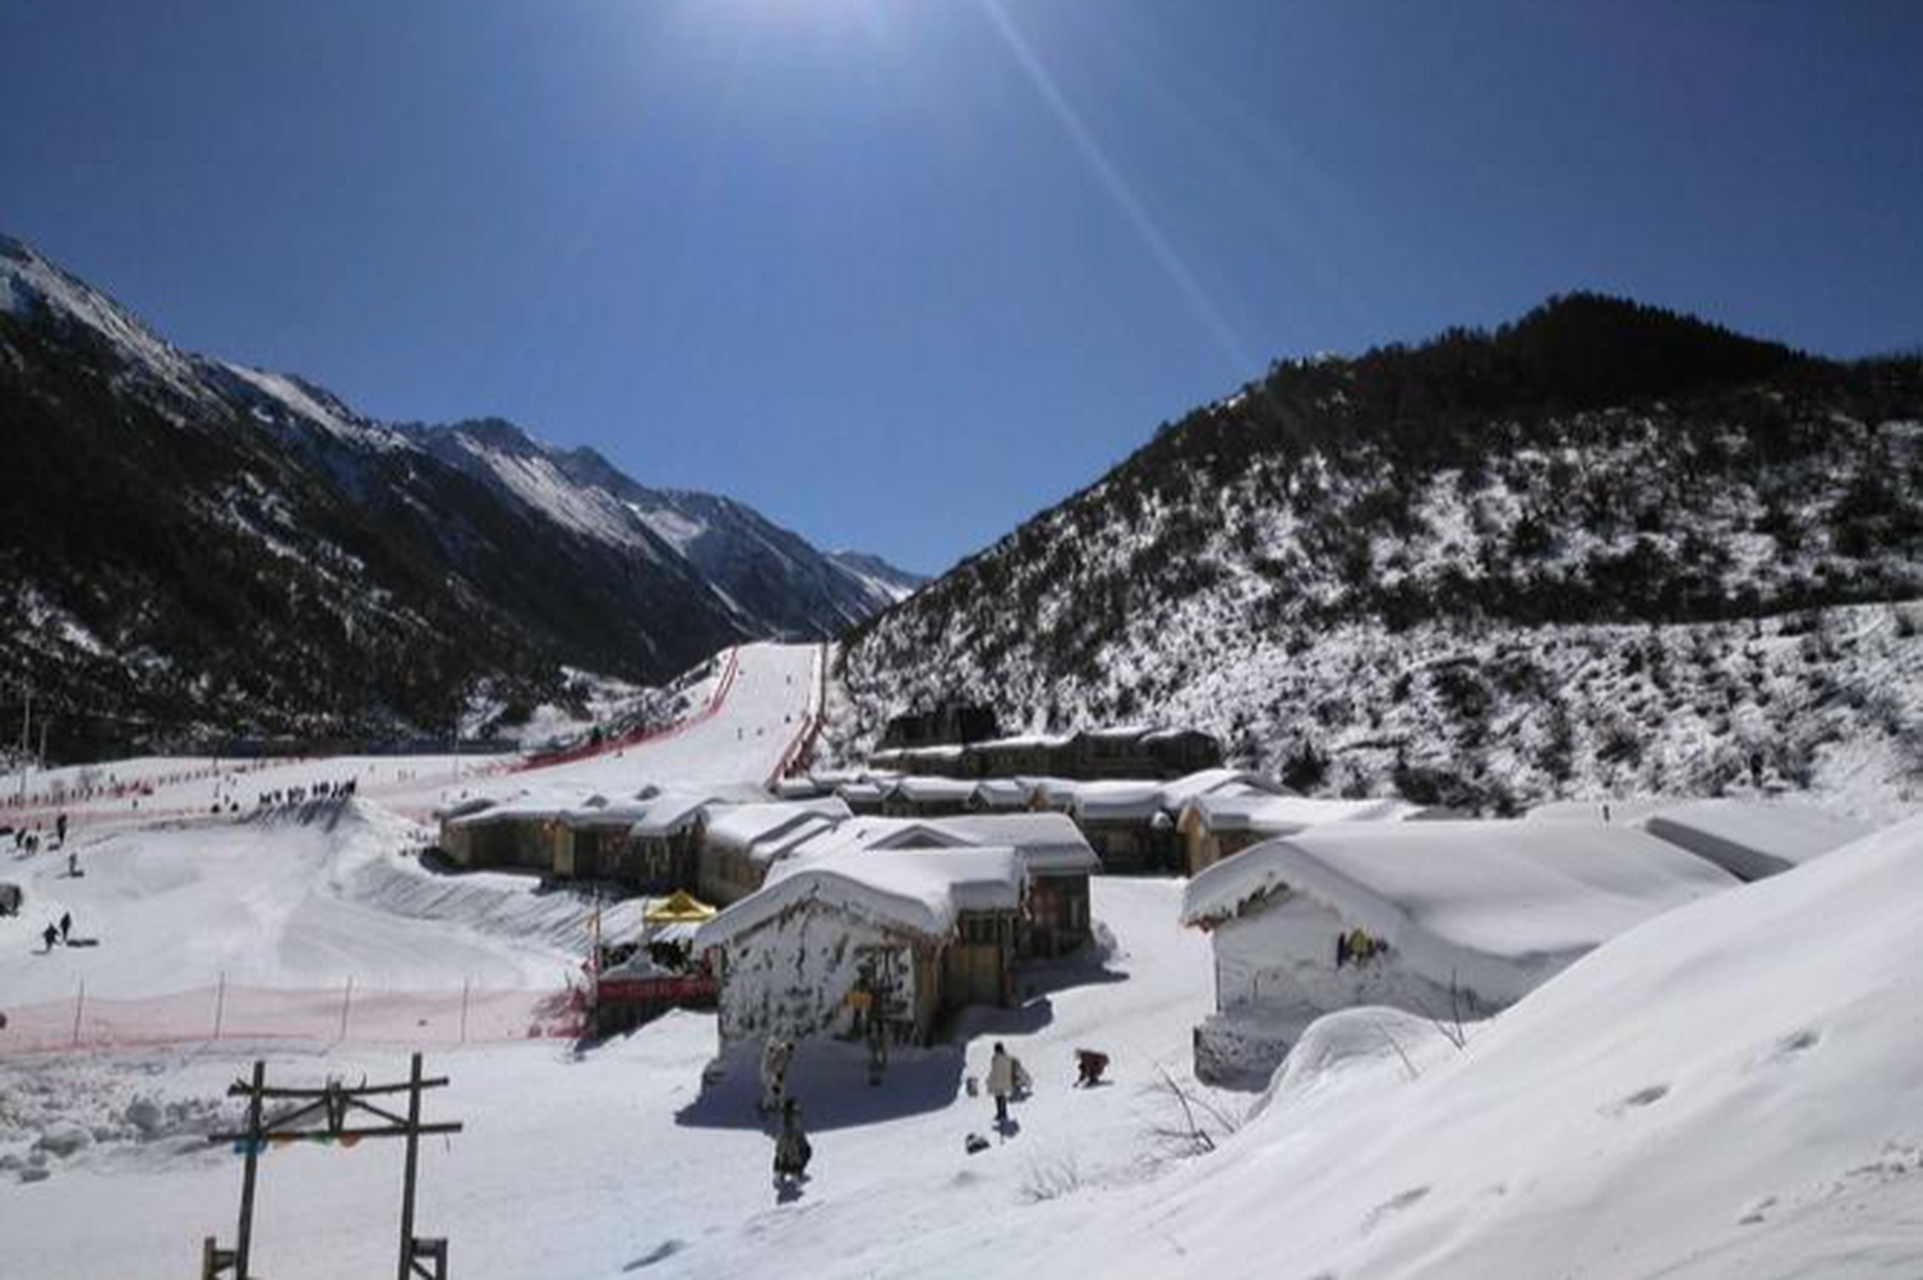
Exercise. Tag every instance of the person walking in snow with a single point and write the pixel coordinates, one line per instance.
(66, 926)
(775, 1057)
(50, 935)
(792, 1148)
(1001, 1081)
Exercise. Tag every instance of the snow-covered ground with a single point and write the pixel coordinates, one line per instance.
(588, 1164)
(1734, 1088)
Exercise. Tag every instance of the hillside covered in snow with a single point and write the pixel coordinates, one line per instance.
(1603, 548)
(193, 551)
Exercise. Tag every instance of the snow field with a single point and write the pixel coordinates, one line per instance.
(587, 1165)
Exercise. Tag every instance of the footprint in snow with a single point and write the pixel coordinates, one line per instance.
(1641, 1098)
(660, 1253)
(1796, 1042)
(1756, 1211)
(1394, 1204)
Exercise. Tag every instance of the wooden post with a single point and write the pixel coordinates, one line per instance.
(408, 1177)
(79, 1003)
(245, 1236)
(220, 1003)
(347, 1001)
(465, 983)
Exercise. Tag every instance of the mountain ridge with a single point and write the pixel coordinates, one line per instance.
(204, 550)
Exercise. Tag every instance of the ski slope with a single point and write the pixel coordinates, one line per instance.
(764, 700)
(760, 702)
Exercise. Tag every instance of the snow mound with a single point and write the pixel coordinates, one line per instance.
(1346, 1047)
(1734, 1089)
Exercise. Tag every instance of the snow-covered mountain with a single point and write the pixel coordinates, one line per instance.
(772, 580)
(1603, 548)
(191, 548)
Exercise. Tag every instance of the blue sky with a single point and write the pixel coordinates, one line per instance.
(902, 272)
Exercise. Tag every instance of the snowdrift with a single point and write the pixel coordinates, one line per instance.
(1733, 1089)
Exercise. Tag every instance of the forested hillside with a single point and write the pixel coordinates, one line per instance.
(1603, 547)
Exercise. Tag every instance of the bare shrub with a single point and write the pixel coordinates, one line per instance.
(1050, 1179)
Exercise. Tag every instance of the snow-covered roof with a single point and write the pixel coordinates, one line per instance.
(862, 791)
(920, 892)
(669, 814)
(764, 831)
(1497, 901)
(551, 801)
(1171, 734)
(1285, 815)
(465, 808)
(1056, 793)
(941, 754)
(1046, 843)
(1603, 809)
(1118, 733)
(1754, 838)
(934, 790)
(1001, 793)
(1026, 742)
(1215, 782)
(1117, 801)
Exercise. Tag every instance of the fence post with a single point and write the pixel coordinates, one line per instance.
(220, 1003)
(79, 1003)
(465, 982)
(347, 1001)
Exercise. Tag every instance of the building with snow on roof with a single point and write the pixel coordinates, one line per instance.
(735, 846)
(876, 942)
(1056, 860)
(1752, 839)
(1447, 920)
(1221, 824)
(1127, 751)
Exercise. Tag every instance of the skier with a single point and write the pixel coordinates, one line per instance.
(66, 926)
(775, 1057)
(1001, 1082)
(50, 935)
(792, 1148)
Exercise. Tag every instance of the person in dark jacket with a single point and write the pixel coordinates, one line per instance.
(792, 1148)
(66, 924)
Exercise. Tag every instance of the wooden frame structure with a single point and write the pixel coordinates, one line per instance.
(331, 1105)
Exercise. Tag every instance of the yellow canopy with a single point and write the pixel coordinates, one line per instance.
(678, 908)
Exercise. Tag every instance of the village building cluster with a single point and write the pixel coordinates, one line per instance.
(871, 904)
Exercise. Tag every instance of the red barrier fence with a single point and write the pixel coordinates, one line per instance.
(326, 1015)
(800, 753)
(723, 686)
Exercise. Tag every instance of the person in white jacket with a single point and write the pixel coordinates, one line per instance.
(1001, 1081)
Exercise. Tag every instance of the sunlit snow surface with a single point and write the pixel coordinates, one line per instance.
(1732, 1089)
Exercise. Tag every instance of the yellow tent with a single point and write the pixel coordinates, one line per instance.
(678, 908)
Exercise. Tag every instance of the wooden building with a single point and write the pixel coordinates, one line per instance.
(905, 938)
(735, 846)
